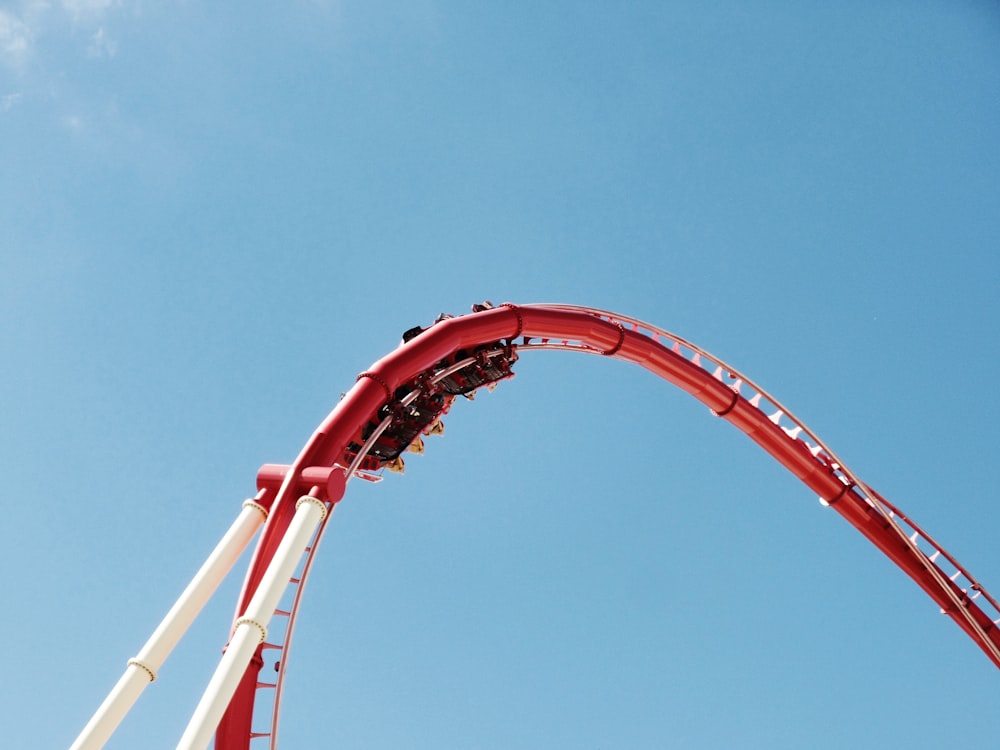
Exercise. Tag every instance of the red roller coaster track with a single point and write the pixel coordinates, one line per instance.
(388, 398)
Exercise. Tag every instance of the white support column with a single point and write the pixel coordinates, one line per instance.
(142, 669)
(250, 629)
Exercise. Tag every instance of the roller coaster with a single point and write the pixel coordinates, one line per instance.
(403, 398)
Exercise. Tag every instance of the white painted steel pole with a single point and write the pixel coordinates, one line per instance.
(142, 669)
(250, 629)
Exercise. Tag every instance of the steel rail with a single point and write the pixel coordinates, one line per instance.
(676, 360)
(353, 470)
(958, 596)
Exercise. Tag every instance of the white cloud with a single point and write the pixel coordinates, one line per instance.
(9, 101)
(24, 24)
(16, 39)
(101, 45)
(87, 8)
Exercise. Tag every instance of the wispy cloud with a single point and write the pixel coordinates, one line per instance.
(41, 44)
(79, 9)
(24, 24)
(73, 122)
(101, 45)
(9, 101)
(16, 40)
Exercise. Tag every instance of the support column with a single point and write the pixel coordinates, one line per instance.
(250, 629)
(143, 668)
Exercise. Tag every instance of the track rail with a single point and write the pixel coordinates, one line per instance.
(729, 394)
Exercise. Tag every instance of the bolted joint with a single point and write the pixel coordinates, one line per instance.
(254, 624)
(256, 506)
(150, 673)
(310, 500)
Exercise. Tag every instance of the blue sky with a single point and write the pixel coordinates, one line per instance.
(214, 216)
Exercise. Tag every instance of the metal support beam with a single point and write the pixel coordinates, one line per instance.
(250, 629)
(142, 669)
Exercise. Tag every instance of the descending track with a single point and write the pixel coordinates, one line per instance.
(405, 393)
